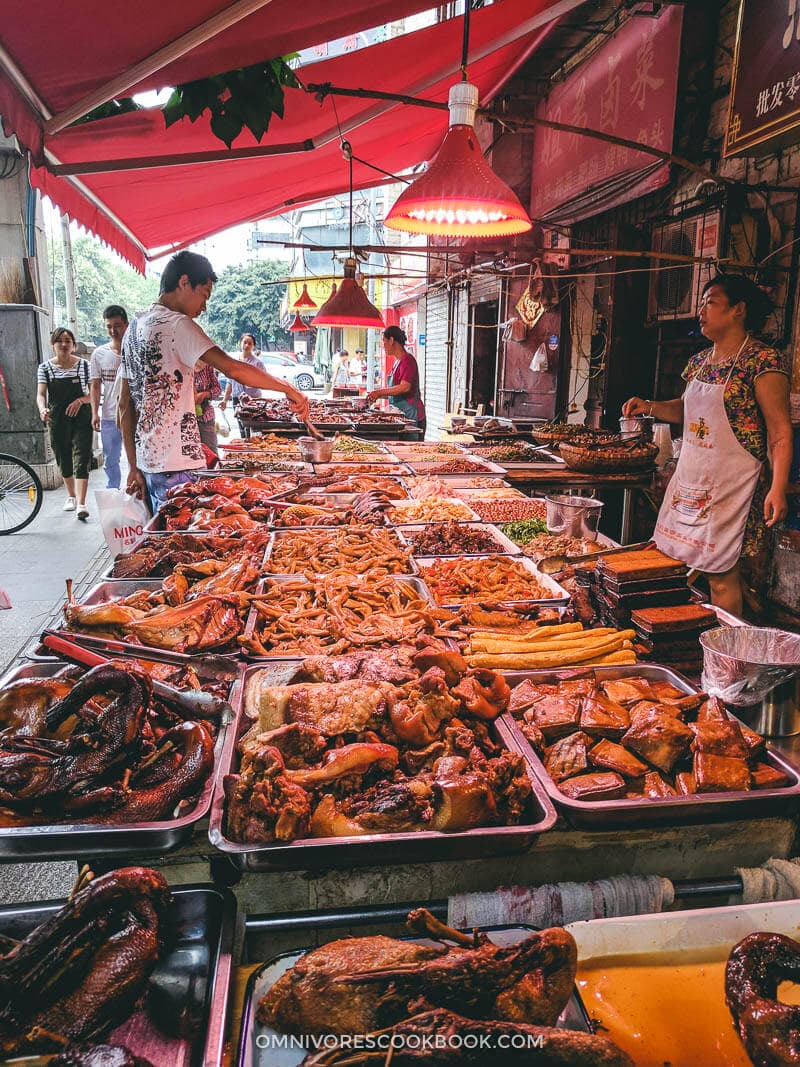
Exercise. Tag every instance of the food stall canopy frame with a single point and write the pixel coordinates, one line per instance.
(141, 188)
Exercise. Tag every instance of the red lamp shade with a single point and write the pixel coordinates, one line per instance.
(348, 305)
(298, 326)
(459, 195)
(304, 300)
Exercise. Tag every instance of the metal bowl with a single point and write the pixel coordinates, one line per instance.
(573, 516)
(314, 451)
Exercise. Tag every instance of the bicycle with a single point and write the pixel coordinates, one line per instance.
(21, 494)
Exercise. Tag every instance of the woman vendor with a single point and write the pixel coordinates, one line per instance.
(735, 414)
(402, 389)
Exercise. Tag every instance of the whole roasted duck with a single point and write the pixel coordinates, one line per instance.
(359, 985)
(82, 972)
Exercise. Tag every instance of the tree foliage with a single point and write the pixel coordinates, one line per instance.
(100, 279)
(244, 301)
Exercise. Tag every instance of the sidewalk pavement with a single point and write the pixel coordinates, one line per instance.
(33, 566)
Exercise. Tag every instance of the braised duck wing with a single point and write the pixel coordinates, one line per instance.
(81, 972)
(440, 1038)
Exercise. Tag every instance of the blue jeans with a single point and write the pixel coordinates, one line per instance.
(112, 447)
(158, 484)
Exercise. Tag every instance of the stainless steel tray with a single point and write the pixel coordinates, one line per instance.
(190, 983)
(386, 461)
(260, 1045)
(472, 516)
(560, 595)
(505, 546)
(464, 481)
(701, 807)
(279, 535)
(426, 466)
(58, 841)
(157, 535)
(252, 618)
(311, 853)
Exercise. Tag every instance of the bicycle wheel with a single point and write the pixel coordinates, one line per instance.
(21, 494)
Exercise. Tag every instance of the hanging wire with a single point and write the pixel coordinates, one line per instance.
(465, 41)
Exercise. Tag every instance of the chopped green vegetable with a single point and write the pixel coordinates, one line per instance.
(523, 531)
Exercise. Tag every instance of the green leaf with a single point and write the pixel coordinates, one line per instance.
(226, 127)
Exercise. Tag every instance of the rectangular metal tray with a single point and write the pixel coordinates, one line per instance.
(394, 468)
(472, 517)
(607, 814)
(411, 579)
(259, 1045)
(489, 493)
(278, 535)
(311, 853)
(560, 597)
(198, 960)
(463, 481)
(505, 546)
(108, 575)
(70, 840)
(424, 467)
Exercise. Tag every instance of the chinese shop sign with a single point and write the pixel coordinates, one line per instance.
(765, 81)
(627, 88)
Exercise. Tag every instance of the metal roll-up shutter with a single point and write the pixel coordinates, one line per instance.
(437, 359)
(460, 347)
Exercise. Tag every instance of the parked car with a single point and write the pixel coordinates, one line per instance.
(285, 366)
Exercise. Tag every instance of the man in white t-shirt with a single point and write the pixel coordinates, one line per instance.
(156, 402)
(103, 368)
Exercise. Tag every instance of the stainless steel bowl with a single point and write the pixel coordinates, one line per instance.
(313, 451)
(637, 426)
(573, 516)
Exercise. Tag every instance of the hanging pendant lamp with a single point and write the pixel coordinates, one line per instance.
(348, 305)
(459, 195)
(304, 300)
(298, 326)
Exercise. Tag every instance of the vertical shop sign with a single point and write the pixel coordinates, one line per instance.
(764, 108)
(627, 88)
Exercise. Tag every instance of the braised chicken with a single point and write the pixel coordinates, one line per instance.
(362, 984)
(768, 1027)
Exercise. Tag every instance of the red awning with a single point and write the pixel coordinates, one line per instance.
(146, 211)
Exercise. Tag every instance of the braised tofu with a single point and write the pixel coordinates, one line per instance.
(614, 757)
(567, 757)
(665, 690)
(754, 741)
(719, 739)
(527, 693)
(602, 717)
(627, 690)
(765, 776)
(655, 787)
(658, 738)
(577, 687)
(555, 716)
(712, 710)
(685, 783)
(720, 774)
(603, 786)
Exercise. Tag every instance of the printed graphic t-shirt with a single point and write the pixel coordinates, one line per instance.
(159, 352)
(103, 366)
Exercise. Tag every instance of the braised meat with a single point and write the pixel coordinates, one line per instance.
(600, 786)
(685, 783)
(567, 756)
(720, 739)
(658, 738)
(555, 716)
(628, 690)
(603, 717)
(333, 708)
(393, 665)
(769, 1029)
(264, 804)
(527, 693)
(613, 757)
(363, 984)
(765, 776)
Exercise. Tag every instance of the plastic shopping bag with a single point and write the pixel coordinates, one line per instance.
(122, 517)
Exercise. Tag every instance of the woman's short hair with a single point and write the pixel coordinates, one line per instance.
(59, 332)
(394, 333)
(741, 290)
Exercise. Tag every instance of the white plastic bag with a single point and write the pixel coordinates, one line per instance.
(539, 361)
(122, 517)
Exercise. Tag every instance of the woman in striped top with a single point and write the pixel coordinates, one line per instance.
(65, 407)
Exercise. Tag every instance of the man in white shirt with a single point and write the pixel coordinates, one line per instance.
(103, 368)
(156, 402)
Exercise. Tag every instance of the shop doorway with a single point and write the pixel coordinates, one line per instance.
(484, 339)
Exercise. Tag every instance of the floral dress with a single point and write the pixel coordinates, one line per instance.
(748, 427)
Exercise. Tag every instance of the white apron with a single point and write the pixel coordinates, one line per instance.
(703, 517)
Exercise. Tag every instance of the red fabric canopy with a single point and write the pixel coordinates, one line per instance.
(144, 212)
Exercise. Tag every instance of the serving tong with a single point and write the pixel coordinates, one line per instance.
(554, 564)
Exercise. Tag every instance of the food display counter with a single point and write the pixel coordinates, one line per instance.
(419, 692)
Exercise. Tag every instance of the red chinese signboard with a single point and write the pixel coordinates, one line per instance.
(765, 82)
(627, 88)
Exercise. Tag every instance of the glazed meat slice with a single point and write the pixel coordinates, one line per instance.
(332, 708)
(613, 757)
(658, 738)
(627, 690)
(712, 710)
(388, 665)
(577, 687)
(754, 741)
(685, 783)
(555, 716)
(655, 787)
(567, 757)
(665, 690)
(720, 774)
(720, 739)
(527, 693)
(601, 786)
(603, 717)
(765, 776)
